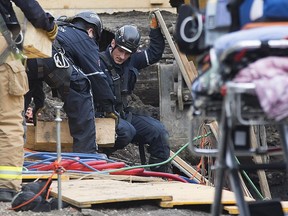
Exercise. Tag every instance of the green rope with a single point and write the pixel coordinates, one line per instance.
(156, 164)
(250, 181)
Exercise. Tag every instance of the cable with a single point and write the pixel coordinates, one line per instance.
(157, 164)
(49, 156)
(250, 181)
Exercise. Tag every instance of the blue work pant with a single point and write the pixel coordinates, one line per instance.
(144, 130)
(78, 105)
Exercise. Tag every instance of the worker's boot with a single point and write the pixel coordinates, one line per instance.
(6, 195)
(166, 168)
(107, 151)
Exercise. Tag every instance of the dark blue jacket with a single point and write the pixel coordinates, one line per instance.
(32, 11)
(128, 71)
(84, 52)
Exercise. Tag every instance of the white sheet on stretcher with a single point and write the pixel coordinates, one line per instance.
(261, 33)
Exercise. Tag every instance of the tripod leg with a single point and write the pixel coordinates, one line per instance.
(221, 168)
(236, 185)
(219, 182)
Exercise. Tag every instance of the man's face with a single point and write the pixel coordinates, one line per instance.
(118, 54)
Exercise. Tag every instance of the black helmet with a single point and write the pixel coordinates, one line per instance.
(128, 37)
(91, 18)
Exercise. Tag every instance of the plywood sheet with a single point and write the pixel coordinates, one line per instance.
(193, 194)
(84, 193)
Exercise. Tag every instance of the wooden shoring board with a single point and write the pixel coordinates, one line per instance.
(31, 176)
(43, 136)
(186, 168)
(233, 210)
(36, 43)
(263, 182)
(105, 132)
(188, 72)
(81, 176)
(128, 178)
(85, 193)
(194, 194)
(109, 6)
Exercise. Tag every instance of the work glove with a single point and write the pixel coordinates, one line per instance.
(53, 33)
(114, 115)
(153, 20)
(109, 111)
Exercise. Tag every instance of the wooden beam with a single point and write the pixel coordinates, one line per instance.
(36, 43)
(188, 72)
(81, 176)
(43, 136)
(258, 159)
(109, 6)
(188, 170)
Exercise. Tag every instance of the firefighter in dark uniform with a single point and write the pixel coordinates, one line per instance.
(121, 63)
(14, 85)
(74, 67)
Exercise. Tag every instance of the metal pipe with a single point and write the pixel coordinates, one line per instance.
(58, 143)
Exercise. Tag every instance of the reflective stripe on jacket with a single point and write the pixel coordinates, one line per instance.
(10, 172)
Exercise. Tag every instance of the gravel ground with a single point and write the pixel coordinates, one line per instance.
(134, 209)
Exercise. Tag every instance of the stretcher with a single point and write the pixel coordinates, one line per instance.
(236, 107)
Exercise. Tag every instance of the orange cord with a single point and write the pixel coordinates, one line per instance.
(201, 162)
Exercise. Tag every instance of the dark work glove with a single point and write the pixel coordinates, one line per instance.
(107, 106)
(109, 111)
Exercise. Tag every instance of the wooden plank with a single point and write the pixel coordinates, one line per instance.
(233, 210)
(108, 6)
(188, 65)
(43, 136)
(45, 132)
(32, 176)
(105, 132)
(127, 178)
(80, 176)
(258, 159)
(186, 168)
(84, 193)
(194, 194)
(157, 2)
(214, 129)
(36, 43)
(187, 71)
